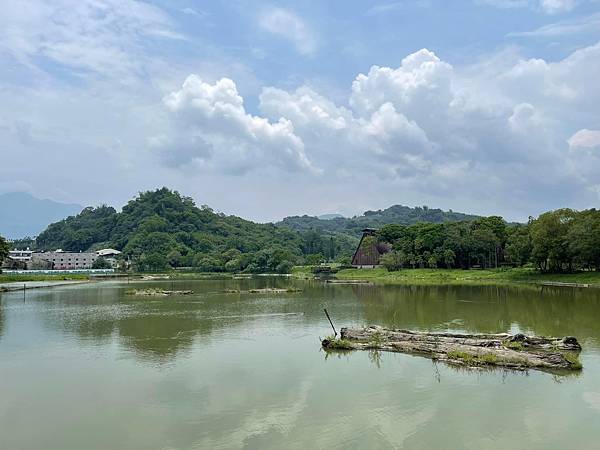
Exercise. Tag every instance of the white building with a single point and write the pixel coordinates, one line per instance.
(20, 255)
(69, 260)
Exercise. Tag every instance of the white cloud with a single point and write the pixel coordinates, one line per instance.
(288, 25)
(194, 12)
(87, 36)
(384, 8)
(211, 126)
(421, 88)
(506, 4)
(586, 24)
(502, 133)
(584, 158)
(557, 6)
(424, 127)
(547, 6)
(585, 139)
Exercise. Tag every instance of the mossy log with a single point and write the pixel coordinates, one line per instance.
(516, 351)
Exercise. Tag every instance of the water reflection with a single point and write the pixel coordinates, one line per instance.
(156, 329)
(552, 311)
(161, 329)
(1, 319)
(216, 370)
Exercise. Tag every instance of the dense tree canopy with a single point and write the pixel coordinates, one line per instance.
(78, 233)
(453, 244)
(397, 214)
(557, 241)
(161, 229)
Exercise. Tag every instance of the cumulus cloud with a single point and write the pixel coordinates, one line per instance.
(425, 127)
(502, 132)
(384, 140)
(211, 126)
(288, 25)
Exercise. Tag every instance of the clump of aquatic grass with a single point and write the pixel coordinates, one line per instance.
(376, 339)
(573, 360)
(334, 343)
(462, 356)
(514, 345)
(476, 359)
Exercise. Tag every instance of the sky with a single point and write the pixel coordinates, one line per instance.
(266, 109)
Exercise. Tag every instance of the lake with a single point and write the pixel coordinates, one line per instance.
(89, 367)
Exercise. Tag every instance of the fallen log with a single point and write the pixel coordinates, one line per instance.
(518, 351)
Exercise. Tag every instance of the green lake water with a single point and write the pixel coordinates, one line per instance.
(89, 367)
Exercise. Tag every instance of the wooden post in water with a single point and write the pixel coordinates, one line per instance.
(329, 318)
(23, 291)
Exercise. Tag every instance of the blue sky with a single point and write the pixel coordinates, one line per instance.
(266, 109)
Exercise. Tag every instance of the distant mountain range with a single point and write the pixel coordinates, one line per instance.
(22, 214)
(399, 214)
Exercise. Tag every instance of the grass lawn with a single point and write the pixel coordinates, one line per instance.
(457, 276)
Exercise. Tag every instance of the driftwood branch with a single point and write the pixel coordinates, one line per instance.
(516, 351)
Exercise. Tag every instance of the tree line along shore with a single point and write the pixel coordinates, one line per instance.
(162, 231)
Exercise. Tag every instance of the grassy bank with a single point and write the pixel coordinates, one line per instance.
(303, 271)
(455, 276)
(5, 278)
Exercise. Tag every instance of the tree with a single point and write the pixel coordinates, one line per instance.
(314, 259)
(284, 267)
(518, 245)
(151, 262)
(101, 263)
(583, 239)
(392, 232)
(207, 264)
(432, 262)
(4, 249)
(449, 258)
(484, 243)
(393, 260)
(550, 249)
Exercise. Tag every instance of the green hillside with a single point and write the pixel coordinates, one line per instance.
(160, 229)
(397, 214)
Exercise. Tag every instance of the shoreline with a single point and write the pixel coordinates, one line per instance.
(16, 286)
(458, 276)
(345, 276)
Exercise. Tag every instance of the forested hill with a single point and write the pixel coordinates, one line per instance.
(162, 228)
(396, 214)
